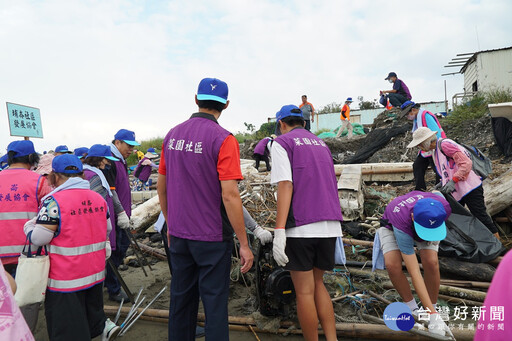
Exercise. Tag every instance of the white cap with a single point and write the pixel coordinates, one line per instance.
(420, 135)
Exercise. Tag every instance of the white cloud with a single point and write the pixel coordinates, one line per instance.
(93, 67)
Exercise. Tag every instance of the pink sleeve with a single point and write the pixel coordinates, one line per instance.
(464, 164)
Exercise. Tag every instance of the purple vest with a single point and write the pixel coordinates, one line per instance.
(110, 204)
(261, 147)
(145, 171)
(123, 189)
(315, 190)
(406, 90)
(195, 209)
(398, 212)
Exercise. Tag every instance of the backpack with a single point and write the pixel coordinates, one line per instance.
(482, 165)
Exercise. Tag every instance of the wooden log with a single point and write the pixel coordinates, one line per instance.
(473, 271)
(463, 293)
(355, 330)
(466, 284)
(388, 172)
(466, 294)
(383, 275)
(460, 301)
(388, 285)
(145, 214)
(357, 242)
(153, 252)
(498, 193)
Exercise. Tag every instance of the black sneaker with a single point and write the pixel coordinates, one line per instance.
(119, 297)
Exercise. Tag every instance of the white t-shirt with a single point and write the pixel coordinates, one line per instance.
(282, 171)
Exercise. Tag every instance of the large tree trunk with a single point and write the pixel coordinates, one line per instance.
(146, 214)
(473, 271)
(498, 193)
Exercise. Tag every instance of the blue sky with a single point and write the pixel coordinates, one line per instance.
(93, 67)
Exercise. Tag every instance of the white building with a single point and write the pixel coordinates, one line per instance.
(483, 70)
(489, 69)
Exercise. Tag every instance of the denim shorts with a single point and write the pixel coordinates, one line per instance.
(398, 240)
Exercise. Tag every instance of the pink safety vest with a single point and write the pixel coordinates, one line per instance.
(12, 323)
(446, 168)
(423, 123)
(18, 203)
(77, 252)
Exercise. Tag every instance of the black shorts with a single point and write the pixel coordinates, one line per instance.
(304, 254)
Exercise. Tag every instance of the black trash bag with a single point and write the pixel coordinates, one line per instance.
(376, 140)
(502, 129)
(467, 238)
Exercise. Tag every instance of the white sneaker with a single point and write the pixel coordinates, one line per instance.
(110, 331)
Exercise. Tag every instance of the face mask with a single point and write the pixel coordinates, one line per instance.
(390, 80)
(107, 167)
(411, 117)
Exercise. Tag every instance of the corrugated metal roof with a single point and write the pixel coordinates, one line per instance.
(465, 61)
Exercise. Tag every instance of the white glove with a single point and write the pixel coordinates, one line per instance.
(123, 221)
(279, 246)
(108, 250)
(436, 325)
(263, 235)
(29, 225)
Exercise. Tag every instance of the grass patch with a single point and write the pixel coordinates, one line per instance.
(476, 107)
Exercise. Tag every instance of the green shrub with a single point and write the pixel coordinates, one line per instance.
(241, 137)
(498, 95)
(144, 145)
(476, 107)
(266, 129)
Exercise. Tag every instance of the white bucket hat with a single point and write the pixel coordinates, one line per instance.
(420, 135)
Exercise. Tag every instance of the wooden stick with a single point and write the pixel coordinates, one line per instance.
(336, 299)
(357, 242)
(379, 297)
(153, 252)
(255, 335)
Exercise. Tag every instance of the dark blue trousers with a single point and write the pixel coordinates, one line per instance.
(122, 244)
(199, 269)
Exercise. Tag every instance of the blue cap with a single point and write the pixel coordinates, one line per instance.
(349, 99)
(391, 74)
(62, 149)
(212, 89)
(101, 150)
(287, 110)
(61, 162)
(407, 104)
(429, 219)
(81, 151)
(3, 159)
(21, 148)
(127, 136)
(152, 151)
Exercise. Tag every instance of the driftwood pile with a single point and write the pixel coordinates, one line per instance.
(352, 287)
